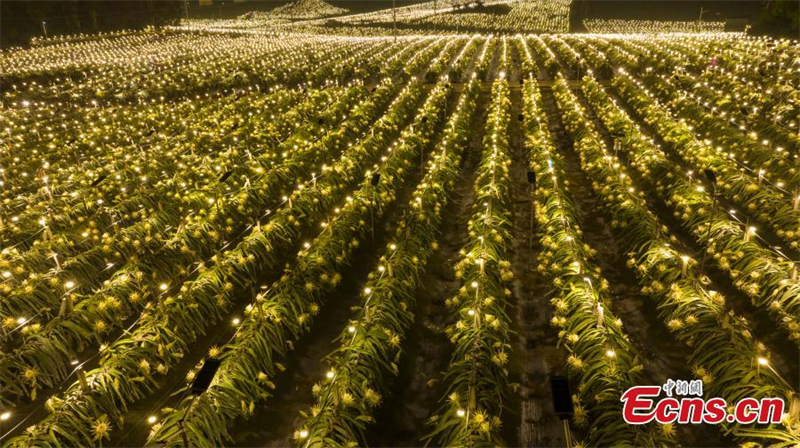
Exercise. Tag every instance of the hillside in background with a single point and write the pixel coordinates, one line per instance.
(256, 233)
(505, 16)
(307, 9)
(22, 20)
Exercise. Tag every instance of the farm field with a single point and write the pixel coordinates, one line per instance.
(395, 241)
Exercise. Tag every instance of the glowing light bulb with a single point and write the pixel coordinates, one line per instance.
(351, 329)
(236, 321)
(152, 419)
(163, 287)
(610, 353)
(763, 361)
(303, 434)
(69, 285)
(330, 374)
(5, 416)
(460, 413)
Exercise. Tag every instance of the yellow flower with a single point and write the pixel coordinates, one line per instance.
(579, 415)
(101, 428)
(674, 324)
(347, 399)
(575, 362)
(500, 359)
(30, 374)
(573, 338)
(100, 327)
(372, 397)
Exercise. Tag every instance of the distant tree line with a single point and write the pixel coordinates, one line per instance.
(780, 17)
(22, 20)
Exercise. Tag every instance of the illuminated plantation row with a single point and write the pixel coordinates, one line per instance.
(359, 234)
